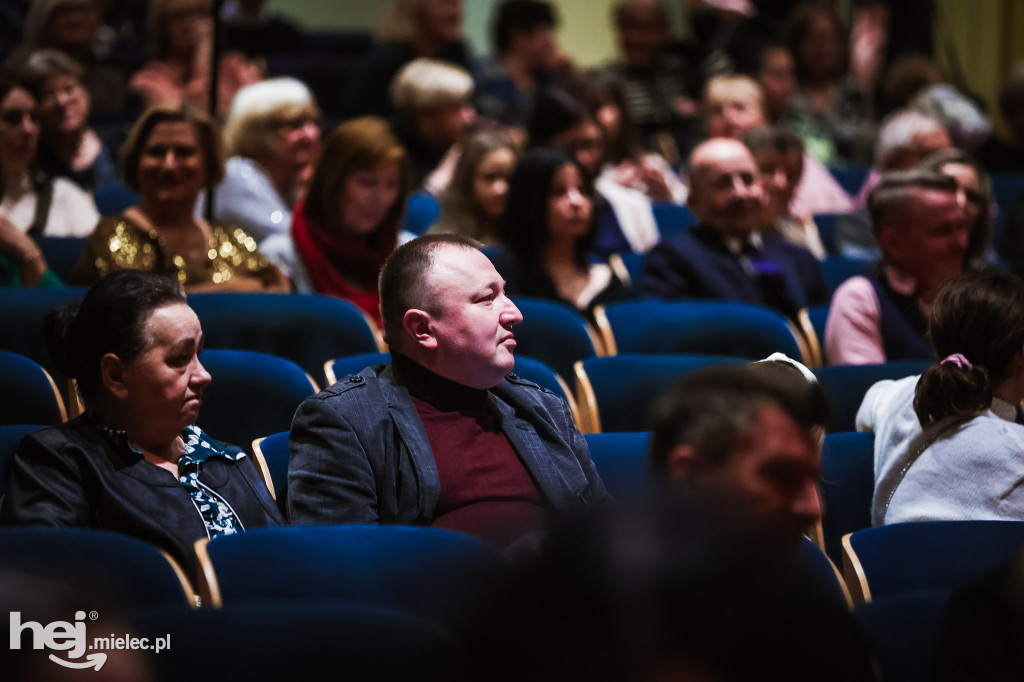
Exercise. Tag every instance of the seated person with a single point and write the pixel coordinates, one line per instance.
(749, 439)
(946, 443)
(433, 115)
(548, 232)
(272, 138)
(69, 147)
(348, 225)
(133, 345)
(726, 257)
(905, 139)
(779, 156)
(625, 219)
(444, 435)
(172, 154)
(475, 199)
(733, 106)
(922, 229)
(526, 54)
(34, 202)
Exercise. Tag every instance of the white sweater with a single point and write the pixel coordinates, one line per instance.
(972, 471)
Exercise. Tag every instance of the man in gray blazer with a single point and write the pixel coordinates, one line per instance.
(444, 435)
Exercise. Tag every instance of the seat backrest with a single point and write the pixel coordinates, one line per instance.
(621, 461)
(421, 211)
(271, 642)
(97, 565)
(28, 395)
(743, 330)
(926, 555)
(616, 393)
(838, 269)
(672, 219)
(22, 312)
(817, 315)
(250, 395)
(847, 485)
(431, 572)
(306, 329)
(61, 253)
(275, 452)
(339, 368)
(904, 631)
(821, 572)
(555, 334)
(847, 384)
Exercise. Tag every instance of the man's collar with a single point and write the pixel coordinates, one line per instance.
(902, 283)
(735, 245)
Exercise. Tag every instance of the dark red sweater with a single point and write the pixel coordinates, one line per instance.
(485, 489)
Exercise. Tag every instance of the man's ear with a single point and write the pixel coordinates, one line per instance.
(681, 464)
(418, 326)
(112, 371)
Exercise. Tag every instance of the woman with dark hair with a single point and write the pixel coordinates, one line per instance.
(975, 190)
(135, 462)
(827, 92)
(475, 199)
(349, 223)
(171, 155)
(947, 445)
(35, 203)
(548, 232)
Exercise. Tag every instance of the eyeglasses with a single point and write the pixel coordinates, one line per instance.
(14, 117)
(295, 122)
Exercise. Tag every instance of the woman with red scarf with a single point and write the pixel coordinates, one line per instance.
(348, 224)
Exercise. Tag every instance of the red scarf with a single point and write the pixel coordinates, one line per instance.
(342, 266)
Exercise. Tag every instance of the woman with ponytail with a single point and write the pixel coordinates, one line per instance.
(947, 445)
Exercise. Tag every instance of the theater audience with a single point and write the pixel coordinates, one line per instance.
(526, 53)
(68, 147)
(726, 256)
(135, 462)
(272, 138)
(946, 443)
(560, 118)
(625, 162)
(921, 225)
(70, 26)
(905, 139)
(33, 202)
(476, 198)
(433, 114)
(547, 234)
(348, 225)
(733, 105)
(826, 90)
(410, 29)
(180, 42)
(659, 85)
(172, 154)
(779, 156)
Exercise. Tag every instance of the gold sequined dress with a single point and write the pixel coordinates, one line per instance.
(119, 242)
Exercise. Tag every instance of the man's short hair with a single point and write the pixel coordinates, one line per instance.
(404, 281)
(425, 83)
(892, 199)
(524, 16)
(897, 131)
(712, 410)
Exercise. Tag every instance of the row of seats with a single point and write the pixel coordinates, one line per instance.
(393, 584)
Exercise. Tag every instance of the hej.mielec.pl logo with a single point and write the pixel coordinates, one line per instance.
(71, 637)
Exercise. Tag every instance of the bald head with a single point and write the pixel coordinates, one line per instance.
(725, 187)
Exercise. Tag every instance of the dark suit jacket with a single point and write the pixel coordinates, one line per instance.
(73, 476)
(360, 454)
(697, 264)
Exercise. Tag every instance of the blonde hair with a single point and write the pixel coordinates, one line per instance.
(251, 118)
(424, 83)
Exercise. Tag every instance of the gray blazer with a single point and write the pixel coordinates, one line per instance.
(359, 453)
